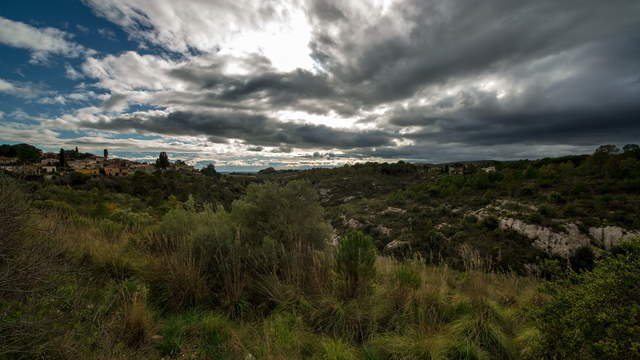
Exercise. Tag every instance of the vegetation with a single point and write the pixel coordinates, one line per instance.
(281, 266)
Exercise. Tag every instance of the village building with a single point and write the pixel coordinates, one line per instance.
(8, 160)
(48, 169)
(435, 170)
(116, 170)
(146, 168)
(489, 169)
(49, 161)
(92, 172)
(82, 164)
(456, 170)
(27, 169)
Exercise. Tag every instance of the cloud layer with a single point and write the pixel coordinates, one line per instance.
(433, 80)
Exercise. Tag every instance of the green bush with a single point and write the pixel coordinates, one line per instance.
(596, 315)
(355, 261)
(583, 259)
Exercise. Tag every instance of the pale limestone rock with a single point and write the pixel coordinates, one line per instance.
(396, 245)
(394, 210)
(610, 236)
(353, 224)
(544, 238)
(383, 230)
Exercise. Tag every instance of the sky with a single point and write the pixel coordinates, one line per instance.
(248, 84)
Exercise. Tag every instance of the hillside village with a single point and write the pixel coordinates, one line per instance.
(48, 164)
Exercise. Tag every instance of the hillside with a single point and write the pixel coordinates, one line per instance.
(489, 260)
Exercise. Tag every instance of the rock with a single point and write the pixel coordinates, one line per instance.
(348, 198)
(353, 224)
(610, 236)
(396, 245)
(335, 238)
(544, 238)
(394, 210)
(324, 192)
(383, 230)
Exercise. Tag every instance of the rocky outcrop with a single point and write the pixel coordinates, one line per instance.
(563, 243)
(610, 236)
(544, 238)
(567, 242)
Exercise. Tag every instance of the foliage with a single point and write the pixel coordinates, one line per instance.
(355, 260)
(597, 314)
(163, 161)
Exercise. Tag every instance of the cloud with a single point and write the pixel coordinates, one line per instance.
(107, 34)
(222, 127)
(82, 28)
(25, 90)
(277, 29)
(416, 79)
(42, 42)
(72, 73)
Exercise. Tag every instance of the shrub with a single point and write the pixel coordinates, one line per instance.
(597, 314)
(490, 223)
(583, 259)
(355, 262)
(138, 319)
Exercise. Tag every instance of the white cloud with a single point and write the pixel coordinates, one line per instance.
(6, 86)
(278, 30)
(72, 73)
(20, 89)
(58, 99)
(108, 34)
(40, 41)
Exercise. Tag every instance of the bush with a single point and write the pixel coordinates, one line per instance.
(583, 259)
(356, 262)
(597, 314)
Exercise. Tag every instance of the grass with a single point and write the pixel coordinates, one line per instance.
(197, 291)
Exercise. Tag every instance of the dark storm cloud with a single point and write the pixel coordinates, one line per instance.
(567, 73)
(257, 130)
(439, 39)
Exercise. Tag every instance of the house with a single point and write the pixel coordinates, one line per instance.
(116, 170)
(92, 172)
(489, 169)
(9, 168)
(8, 160)
(48, 169)
(146, 168)
(49, 161)
(82, 164)
(27, 169)
(456, 170)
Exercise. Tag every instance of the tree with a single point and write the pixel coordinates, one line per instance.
(632, 150)
(607, 150)
(61, 158)
(355, 262)
(106, 154)
(77, 150)
(209, 170)
(27, 153)
(163, 161)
